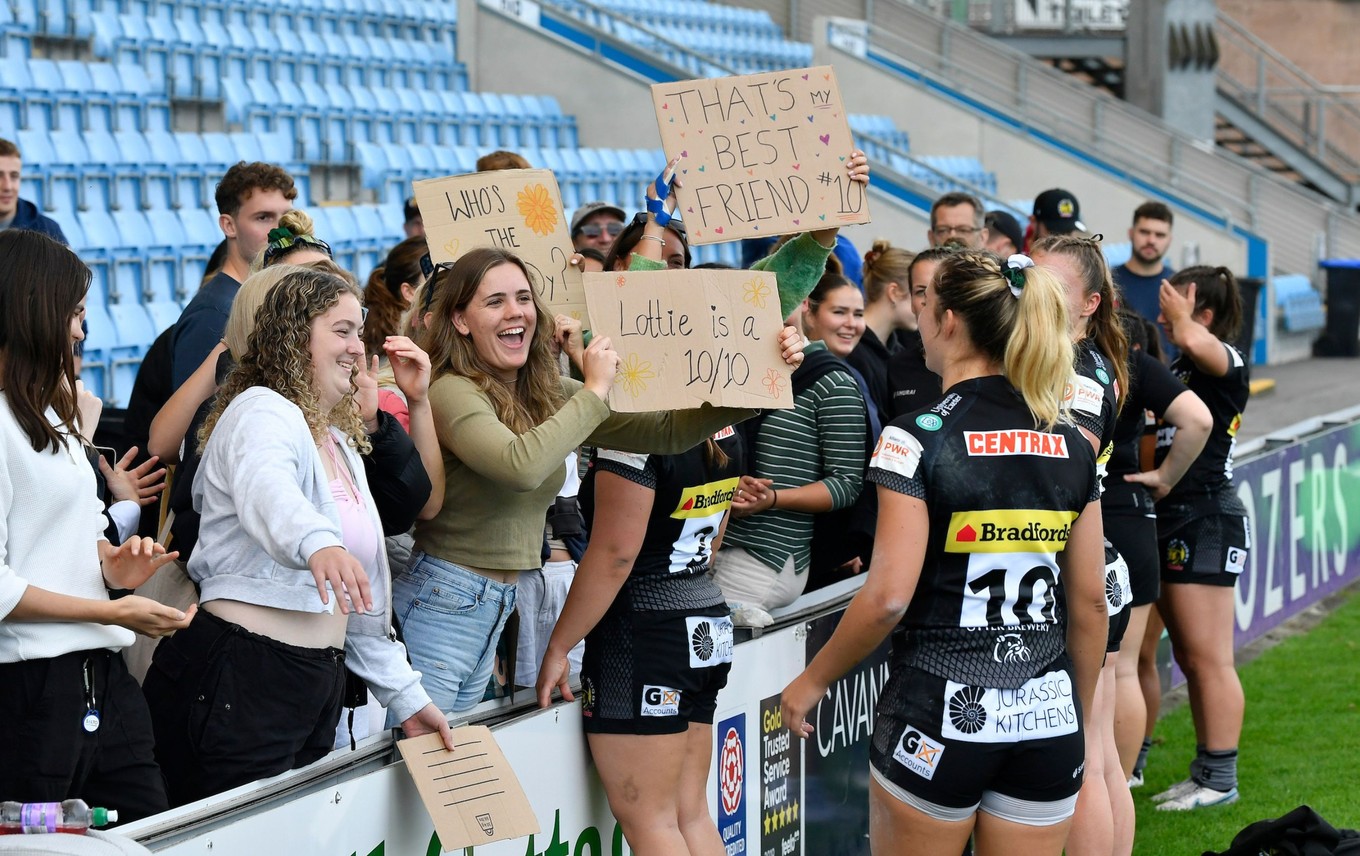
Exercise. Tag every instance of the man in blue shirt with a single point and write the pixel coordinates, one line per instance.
(250, 200)
(1140, 278)
(16, 213)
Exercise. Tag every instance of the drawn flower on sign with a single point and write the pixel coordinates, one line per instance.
(774, 382)
(620, 280)
(536, 207)
(755, 292)
(634, 374)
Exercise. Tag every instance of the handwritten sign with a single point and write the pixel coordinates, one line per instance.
(761, 154)
(518, 210)
(689, 337)
(472, 795)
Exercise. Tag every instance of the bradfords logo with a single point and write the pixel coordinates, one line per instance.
(918, 753)
(1015, 530)
(732, 784)
(705, 500)
(994, 443)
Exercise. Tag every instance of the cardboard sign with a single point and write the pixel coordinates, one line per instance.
(472, 795)
(691, 336)
(519, 210)
(761, 155)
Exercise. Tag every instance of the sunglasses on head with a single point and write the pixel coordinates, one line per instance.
(430, 269)
(281, 247)
(594, 230)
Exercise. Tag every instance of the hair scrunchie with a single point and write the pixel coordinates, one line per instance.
(1014, 271)
(280, 234)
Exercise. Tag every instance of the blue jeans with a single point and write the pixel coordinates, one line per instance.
(451, 619)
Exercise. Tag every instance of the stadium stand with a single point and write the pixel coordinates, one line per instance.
(365, 96)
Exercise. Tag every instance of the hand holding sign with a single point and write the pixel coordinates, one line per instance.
(759, 154)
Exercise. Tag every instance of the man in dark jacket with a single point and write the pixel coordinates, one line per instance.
(16, 213)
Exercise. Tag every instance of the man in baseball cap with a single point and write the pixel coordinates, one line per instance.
(1004, 235)
(596, 224)
(1056, 212)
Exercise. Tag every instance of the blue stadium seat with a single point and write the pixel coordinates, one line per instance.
(135, 334)
(100, 342)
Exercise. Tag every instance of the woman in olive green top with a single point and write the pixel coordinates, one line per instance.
(506, 420)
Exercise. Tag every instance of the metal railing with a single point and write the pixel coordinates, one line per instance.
(1322, 120)
(1030, 95)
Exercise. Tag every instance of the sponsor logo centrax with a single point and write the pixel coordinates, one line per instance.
(1017, 442)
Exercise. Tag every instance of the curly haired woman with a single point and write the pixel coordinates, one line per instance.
(294, 582)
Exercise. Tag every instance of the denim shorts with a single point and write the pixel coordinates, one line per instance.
(451, 619)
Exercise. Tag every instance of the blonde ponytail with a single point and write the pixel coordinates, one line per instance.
(1038, 360)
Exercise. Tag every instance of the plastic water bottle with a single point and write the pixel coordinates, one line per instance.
(72, 816)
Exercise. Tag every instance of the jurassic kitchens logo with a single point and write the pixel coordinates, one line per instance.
(1009, 530)
(705, 500)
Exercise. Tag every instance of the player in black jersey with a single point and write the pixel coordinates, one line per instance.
(988, 548)
(1130, 519)
(1202, 531)
(1105, 819)
(658, 636)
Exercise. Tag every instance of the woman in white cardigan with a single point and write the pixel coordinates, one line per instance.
(74, 721)
(292, 577)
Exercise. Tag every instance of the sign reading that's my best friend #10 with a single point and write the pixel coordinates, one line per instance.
(760, 155)
(518, 210)
(686, 337)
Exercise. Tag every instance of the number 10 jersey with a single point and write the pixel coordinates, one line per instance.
(1002, 496)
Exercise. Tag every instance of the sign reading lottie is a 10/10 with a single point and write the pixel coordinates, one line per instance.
(760, 154)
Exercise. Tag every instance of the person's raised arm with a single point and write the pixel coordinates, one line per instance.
(615, 539)
(1189, 334)
(899, 551)
(173, 420)
(411, 370)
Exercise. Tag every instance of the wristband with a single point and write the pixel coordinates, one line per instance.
(657, 207)
(659, 240)
(774, 498)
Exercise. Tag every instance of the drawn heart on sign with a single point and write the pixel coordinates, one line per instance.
(809, 118)
(684, 153)
(795, 166)
(772, 116)
(671, 120)
(796, 222)
(689, 210)
(842, 160)
(821, 216)
(451, 247)
(750, 172)
(684, 172)
(825, 138)
(805, 77)
(701, 169)
(826, 76)
(682, 133)
(718, 229)
(666, 106)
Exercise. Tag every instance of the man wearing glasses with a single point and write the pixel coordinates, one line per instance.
(957, 218)
(596, 224)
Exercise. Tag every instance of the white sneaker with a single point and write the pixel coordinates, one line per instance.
(1179, 789)
(1199, 797)
(1136, 780)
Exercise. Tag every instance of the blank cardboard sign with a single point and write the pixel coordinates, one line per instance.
(761, 155)
(689, 337)
(517, 210)
(472, 795)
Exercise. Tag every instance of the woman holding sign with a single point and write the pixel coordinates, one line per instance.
(988, 544)
(506, 420)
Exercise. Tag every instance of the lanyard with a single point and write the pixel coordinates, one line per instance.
(91, 720)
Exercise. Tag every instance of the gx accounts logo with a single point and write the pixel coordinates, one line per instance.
(660, 701)
(918, 753)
